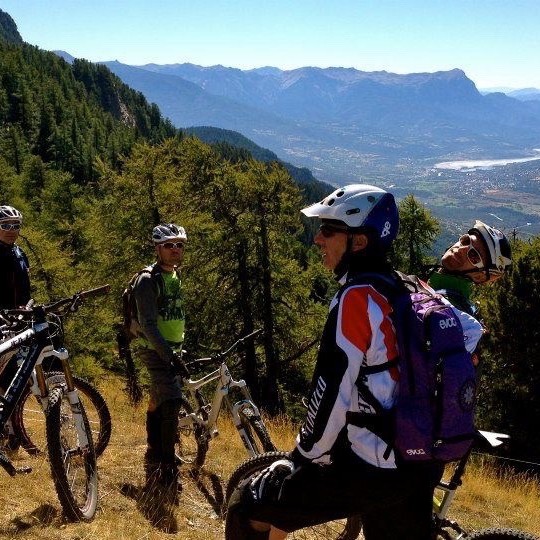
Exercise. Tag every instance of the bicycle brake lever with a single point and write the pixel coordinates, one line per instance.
(75, 304)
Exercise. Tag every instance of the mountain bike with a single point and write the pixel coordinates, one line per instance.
(26, 427)
(349, 528)
(70, 447)
(197, 419)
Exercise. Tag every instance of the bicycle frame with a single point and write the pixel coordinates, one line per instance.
(448, 488)
(28, 361)
(30, 369)
(225, 383)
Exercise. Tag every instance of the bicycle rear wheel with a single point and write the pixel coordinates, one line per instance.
(343, 529)
(501, 534)
(73, 467)
(255, 431)
(192, 443)
(28, 418)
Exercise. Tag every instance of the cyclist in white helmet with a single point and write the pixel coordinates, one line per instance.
(160, 308)
(481, 256)
(337, 469)
(14, 268)
(14, 285)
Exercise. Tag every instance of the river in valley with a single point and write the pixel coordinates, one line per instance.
(467, 165)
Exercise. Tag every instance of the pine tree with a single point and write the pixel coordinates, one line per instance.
(417, 232)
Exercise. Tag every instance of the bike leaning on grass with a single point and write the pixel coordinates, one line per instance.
(349, 528)
(198, 419)
(70, 446)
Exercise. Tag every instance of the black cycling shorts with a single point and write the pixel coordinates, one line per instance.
(392, 503)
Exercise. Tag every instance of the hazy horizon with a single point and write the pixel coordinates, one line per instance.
(494, 42)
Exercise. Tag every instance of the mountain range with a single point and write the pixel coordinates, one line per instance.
(338, 120)
(525, 94)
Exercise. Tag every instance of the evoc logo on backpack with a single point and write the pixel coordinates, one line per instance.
(448, 323)
(416, 452)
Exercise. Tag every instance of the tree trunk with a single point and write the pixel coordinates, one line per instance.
(250, 359)
(271, 397)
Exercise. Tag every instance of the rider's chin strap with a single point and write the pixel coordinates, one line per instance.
(342, 266)
(465, 272)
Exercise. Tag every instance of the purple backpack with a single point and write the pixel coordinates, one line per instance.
(433, 417)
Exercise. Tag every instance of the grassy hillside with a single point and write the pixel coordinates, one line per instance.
(31, 509)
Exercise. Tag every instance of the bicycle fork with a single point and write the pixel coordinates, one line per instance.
(75, 405)
(247, 408)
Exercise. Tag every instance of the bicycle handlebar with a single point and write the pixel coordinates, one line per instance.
(221, 355)
(16, 315)
(75, 299)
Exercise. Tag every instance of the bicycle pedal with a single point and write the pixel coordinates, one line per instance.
(23, 470)
(214, 433)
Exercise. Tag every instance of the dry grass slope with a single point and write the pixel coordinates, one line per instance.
(31, 509)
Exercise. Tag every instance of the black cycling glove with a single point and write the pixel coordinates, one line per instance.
(267, 485)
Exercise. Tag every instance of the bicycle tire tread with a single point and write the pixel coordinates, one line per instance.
(71, 508)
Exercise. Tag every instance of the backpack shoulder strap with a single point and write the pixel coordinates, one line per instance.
(390, 285)
(153, 270)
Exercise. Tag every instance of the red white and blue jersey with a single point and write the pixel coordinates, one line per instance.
(358, 333)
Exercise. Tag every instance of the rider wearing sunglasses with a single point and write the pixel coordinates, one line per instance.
(160, 307)
(337, 469)
(14, 268)
(481, 256)
(14, 286)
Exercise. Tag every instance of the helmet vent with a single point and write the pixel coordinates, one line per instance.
(352, 211)
(371, 199)
(340, 193)
(331, 202)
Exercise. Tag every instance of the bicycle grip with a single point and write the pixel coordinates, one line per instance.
(97, 291)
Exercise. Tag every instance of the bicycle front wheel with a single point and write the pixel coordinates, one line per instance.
(192, 440)
(501, 534)
(343, 529)
(255, 431)
(28, 417)
(73, 466)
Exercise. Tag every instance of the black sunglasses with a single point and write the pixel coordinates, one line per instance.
(328, 230)
(172, 245)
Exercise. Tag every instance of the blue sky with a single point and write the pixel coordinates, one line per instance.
(496, 42)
